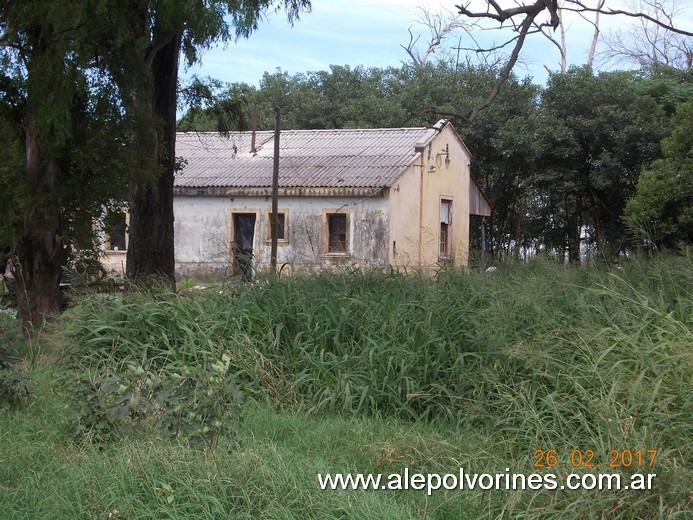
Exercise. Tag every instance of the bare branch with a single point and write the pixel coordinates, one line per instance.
(560, 46)
(490, 57)
(440, 26)
(646, 43)
(490, 49)
(471, 114)
(523, 17)
(611, 12)
(595, 38)
(501, 14)
(410, 48)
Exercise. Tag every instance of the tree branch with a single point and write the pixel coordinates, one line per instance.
(159, 44)
(560, 46)
(611, 12)
(410, 47)
(529, 13)
(502, 15)
(440, 27)
(471, 114)
(595, 38)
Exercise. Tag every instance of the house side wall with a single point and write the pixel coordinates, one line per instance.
(204, 232)
(440, 173)
(405, 214)
(448, 180)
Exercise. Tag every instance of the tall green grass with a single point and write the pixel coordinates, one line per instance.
(535, 357)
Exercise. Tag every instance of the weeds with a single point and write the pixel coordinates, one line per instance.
(528, 357)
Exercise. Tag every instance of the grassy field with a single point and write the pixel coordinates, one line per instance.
(228, 402)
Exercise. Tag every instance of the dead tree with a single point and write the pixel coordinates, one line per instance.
(440, 25)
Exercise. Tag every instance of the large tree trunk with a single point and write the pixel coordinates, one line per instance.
(40, 251)
(150, 252)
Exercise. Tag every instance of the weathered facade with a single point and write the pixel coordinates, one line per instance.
(398, 197)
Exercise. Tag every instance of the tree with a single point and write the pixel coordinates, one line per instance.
(662, 209)
(648, 44)
(62, 65)
(50, 111)
(525, 20)
(142, 53)
(596, 134)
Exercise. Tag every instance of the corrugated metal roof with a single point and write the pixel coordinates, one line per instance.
(307, 158)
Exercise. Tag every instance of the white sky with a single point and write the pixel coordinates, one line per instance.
(369, 33)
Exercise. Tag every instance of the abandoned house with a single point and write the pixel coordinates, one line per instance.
(398, 197)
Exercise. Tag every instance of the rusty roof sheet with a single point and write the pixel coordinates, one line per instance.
(307, 158)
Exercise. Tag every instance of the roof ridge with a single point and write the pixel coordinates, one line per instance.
(248, 132)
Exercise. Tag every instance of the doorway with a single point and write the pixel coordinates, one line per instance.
(243, 240)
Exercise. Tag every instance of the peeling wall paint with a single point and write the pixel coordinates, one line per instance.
(204, 232)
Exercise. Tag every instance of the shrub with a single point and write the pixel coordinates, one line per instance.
(199, 403)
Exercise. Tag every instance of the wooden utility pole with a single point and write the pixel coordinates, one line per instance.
(275, 193)
(253, 148)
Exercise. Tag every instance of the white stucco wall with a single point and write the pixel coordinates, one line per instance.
(204, 231)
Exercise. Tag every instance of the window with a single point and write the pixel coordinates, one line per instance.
(281, 227)
(445, 228)
(114, 224)
(338, 233)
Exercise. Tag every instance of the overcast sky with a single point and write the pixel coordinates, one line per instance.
(369, 33)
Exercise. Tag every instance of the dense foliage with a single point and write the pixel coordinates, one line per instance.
(661, 213)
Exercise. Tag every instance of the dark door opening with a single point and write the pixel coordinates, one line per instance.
(243, 240)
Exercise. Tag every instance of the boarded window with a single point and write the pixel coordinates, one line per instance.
(338, 238)
(445, 228)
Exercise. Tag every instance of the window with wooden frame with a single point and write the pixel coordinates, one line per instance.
(337, 233)
(445, 251)
(282, 235)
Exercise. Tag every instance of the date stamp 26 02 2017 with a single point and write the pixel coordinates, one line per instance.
(588, 459)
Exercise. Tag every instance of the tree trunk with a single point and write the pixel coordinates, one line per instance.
(40, 251)
(573, 221)
(150, 251)
(595, 38)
